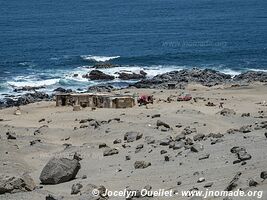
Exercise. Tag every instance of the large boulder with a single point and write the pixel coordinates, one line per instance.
(98, 75)
(59, 170)
(12, 184)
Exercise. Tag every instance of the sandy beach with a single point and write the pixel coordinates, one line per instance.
(190, 151)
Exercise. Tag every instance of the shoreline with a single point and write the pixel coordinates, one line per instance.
(181, 78)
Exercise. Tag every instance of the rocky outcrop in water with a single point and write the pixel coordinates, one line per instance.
(24, 99)
(205, 77)
(98, 75)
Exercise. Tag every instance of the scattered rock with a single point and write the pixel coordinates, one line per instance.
(76, 188)
(233, 184)
(102, 145)
(166, 141)
(11, 136)
(252, 183)
(117, 141)
(150, 140)
(227, 112)
(141, 164)
(132, 136)
(155, 116)
(139, 147)
(199, 137)
(201, 179)
(13, 184)
(110, 151)
(33, 142)
(197, 148)
(203, 157)
(263, 175)
(53, 197)
(245, 115)
(161, 123)
(245, 129)
(188, 130)
(208, 185)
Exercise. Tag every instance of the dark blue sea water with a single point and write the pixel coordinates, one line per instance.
(46, 42)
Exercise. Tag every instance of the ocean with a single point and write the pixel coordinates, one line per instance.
(47, 42)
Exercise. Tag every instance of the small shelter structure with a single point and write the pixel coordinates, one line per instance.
(95, 100)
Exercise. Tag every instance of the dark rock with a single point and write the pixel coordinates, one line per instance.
(197, 148)
(245, 129)
(76, 188)
(199, 137)
(189, 141)
(59, 170)
(53, 197)
(166, 141)
(179, 137)
(166, 158)
(102, 145)
(98, 75)
(245, 115)
(233, 184)
(11, 136)
(178, 145)
(13, 184)
(263, 175)
(127, 157)
(109, 151)
(33, 142)
(163, 152)
(149, 140)
(161, 123)
(203, 157)
(117, 141)
(252, 183)
(139, 147)
(132, 136)
(141, 164)
(188, 130)
(227, 112)
(215, 141)
(208, 185)
(155, 116)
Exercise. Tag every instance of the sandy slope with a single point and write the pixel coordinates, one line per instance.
(114, 172)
